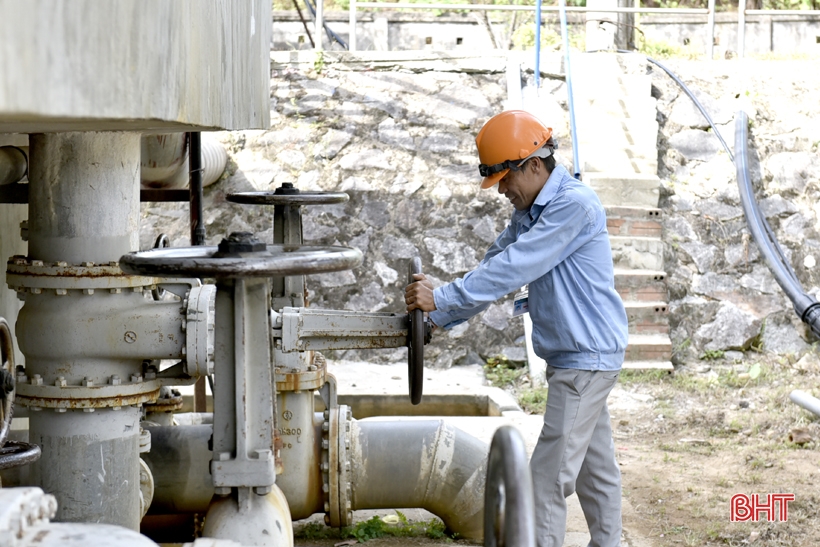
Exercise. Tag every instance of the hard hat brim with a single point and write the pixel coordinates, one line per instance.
(493, 179)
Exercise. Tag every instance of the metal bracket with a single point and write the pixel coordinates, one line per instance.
(303, 329)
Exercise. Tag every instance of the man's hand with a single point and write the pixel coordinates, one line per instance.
(419, 295)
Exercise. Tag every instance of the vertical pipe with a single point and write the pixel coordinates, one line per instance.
(351, 39)
(197, 232)
(741, 28)
(320, 24)
(84, 207)
(710, 23)
(537, 47)
(195, 168)
(562, 8)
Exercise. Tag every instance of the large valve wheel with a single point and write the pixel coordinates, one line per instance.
(509, 510)
(7, 373)
(418, 334)
(241, 255)
(288, 195)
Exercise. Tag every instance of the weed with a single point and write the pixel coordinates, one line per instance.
(711, 355)
(319, 62)
(533, 400)
(377, 527)
(501, 372)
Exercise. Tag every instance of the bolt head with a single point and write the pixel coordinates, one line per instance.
(115, 380)
(327, 506)
(261, 490)
(36, 380)
(87, 382)
(325, 488)
(222, 491)
(327, 520)
(240, 242)
(60, 381)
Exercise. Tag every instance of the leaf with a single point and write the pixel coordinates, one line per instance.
(754, 372)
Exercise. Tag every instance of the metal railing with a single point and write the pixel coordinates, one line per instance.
(709, 12)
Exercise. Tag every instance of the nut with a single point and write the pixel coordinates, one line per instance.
(60, 381)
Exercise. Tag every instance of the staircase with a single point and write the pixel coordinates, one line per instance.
(617, 145)
(617, 135)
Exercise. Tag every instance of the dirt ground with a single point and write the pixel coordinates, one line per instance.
(688, 441)
(713, 430)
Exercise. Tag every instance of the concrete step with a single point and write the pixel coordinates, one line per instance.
(623, 131)
(634, 107)
(638, 253)
(641, 285)
(619, 162)
(647, 317)
(629, 189)
(649, 347)
(633, 221)
(649, 365)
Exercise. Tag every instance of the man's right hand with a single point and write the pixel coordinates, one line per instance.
(419, 295)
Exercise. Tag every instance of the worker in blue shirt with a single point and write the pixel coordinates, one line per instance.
(556, 242)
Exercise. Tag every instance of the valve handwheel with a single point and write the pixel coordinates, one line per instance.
(7, 373)
(417, 335)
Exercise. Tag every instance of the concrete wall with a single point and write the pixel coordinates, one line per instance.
(133, 65)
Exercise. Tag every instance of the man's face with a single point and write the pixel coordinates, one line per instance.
(522, 187)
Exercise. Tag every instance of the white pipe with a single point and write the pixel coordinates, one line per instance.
(394, 464)
(420, 463)
(13, 164)
(319, 31)
(710, 24)
(164, 160)
(741, 29)
(351, 38)
(812, 404)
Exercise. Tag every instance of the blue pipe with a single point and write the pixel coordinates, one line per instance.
(562, 8)
(537, 47)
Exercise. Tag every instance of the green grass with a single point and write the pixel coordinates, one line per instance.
(502, 373)
(533, 400)
(377, 527)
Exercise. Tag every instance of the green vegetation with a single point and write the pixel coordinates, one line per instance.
(533, 400)
(503, 373)
(377, 527)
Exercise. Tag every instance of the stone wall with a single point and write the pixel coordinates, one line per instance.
(400, 143)
(723, 297)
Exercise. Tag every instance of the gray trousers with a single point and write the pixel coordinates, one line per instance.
(575, 453)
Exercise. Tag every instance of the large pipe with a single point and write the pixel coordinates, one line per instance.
(394, 464)
(13, 164)
(812, 404)
(164, 160)
(84, 208)
(420, 463)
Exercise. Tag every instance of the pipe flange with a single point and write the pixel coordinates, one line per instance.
(339, 495)
(199, 325)
(146, 487)
(24, 275)
(300, 380)
(61, 397)
(145, 440)
(166, 404)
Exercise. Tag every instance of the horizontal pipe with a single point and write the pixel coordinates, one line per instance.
(428, 464)
(13, 164)
(812, 404)
(813, 12)
(494, 7)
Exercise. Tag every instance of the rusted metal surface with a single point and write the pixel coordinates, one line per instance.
(277, 260)
(23, 273)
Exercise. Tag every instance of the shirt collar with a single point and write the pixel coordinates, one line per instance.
(548, 191)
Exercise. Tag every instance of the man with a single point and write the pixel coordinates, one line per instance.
(557, 243)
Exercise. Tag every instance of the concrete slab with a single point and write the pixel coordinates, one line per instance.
(134, 65)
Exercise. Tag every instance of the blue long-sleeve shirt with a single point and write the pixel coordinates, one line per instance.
(559, 247)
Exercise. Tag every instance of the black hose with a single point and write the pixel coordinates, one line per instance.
(195, 183)
(806, 306)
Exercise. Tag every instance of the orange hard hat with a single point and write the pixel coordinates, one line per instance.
(506, 141)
